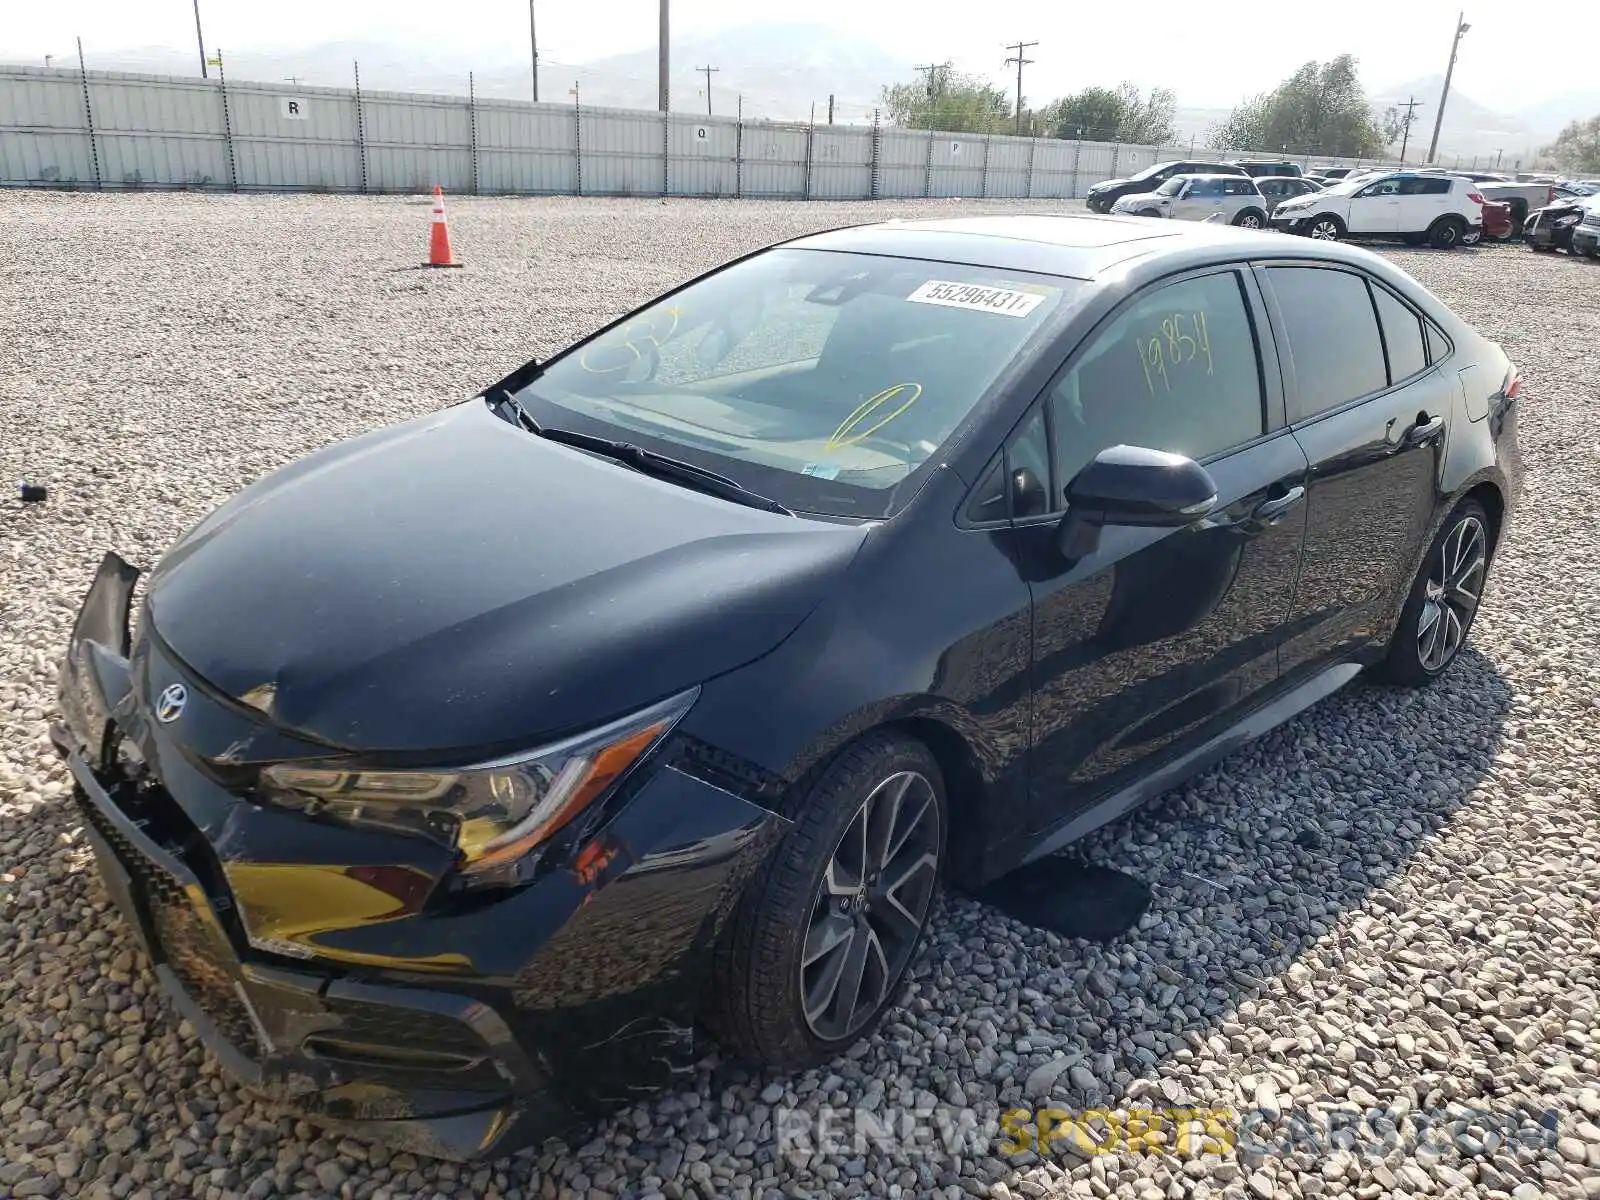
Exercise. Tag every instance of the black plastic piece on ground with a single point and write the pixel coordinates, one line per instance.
(1073, 899)
(32, 493)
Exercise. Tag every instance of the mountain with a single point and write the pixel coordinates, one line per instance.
(781, 69)
(1471, 130)
(1552, 115)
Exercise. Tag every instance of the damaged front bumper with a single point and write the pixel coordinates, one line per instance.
(326, 968)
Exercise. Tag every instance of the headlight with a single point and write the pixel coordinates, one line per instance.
(492, 814)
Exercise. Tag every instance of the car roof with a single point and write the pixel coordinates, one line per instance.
(1071, 245)
(1210, 175)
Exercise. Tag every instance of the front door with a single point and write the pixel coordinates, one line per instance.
(1370, 409)
(1376, 208)
(1160, 637)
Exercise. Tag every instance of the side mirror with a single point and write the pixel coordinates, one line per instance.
(1135, 486)
(1029, 495)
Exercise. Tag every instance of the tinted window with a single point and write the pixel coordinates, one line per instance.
(1402, 336)
(1424, 187)
(1438, 344)
(1274, 187)
(1240, 187)
(1029, 450)
(1333, 336)
(1175, 370)
(988, 502)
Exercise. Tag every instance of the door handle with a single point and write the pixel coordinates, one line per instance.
(1269, 511)
(1423, 430)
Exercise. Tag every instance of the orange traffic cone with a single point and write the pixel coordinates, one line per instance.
(439, 246)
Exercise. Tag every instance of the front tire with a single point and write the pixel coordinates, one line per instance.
(1326, 228)
(1444, 599)
(1250, 218)
(825, 930)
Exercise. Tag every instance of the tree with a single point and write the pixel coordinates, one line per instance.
(1577, 147)
(1320, 109)
(1107, 115)
(949, 101)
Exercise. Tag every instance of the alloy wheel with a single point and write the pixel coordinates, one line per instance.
(870, 907)
(1250, 221)
(1450, 597)
(1325, 231)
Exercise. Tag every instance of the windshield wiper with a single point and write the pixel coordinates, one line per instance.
(648, 462)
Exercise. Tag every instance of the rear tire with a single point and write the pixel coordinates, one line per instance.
(1537, 249)
(825, 905)
(1447, 233)
(1148, 212)
(1250, 218)
(1444, 600)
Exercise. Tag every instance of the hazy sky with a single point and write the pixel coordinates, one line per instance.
(1211, 52)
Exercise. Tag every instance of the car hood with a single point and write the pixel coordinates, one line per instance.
(454, 582)
(1106, 185)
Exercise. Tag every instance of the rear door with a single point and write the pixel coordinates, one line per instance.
(1160, 637)
(1422, 202)
(1369, 409)
(1241, 194)
(1376, 208)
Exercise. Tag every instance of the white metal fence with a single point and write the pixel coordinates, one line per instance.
(103, 129)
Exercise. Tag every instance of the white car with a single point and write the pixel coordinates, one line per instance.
(1443, 210)
(1237, 198)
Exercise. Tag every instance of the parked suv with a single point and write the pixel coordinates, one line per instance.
(1259, 168)
(1102, 196)
(1196, 197)
(1443, 210)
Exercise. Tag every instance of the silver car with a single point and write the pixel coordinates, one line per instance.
(1236, 199)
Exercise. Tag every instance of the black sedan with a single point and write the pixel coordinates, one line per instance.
(461, 775)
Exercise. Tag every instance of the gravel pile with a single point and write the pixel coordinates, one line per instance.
(1391, 903)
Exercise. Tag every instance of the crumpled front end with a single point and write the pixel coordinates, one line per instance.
(335, 969)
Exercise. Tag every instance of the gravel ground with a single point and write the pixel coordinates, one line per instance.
(1388, 903)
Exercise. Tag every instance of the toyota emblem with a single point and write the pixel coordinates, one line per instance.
(169, 705)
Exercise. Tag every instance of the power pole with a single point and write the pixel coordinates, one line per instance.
(1021, 62)
(662, 44)
(201, 38)
(830, 108)
(1411, 105)
(933, 77)
(292, 80)
(709, 71)
(533, 45)
(1444, 94)
(1497, 155)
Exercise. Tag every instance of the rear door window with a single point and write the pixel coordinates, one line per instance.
(1402, 336)
(1332, 332)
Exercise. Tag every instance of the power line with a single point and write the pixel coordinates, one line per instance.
(533, 45)
(1411, 105)
(1021, 62)
(663, 45)
(1444, 94)
(708, 71)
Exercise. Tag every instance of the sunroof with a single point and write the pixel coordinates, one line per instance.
(1074, 231)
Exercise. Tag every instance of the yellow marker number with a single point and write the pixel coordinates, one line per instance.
(1182, 339)
(850, 432)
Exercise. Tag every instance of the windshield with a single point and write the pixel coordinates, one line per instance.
(824, 380)
(1172, 186)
